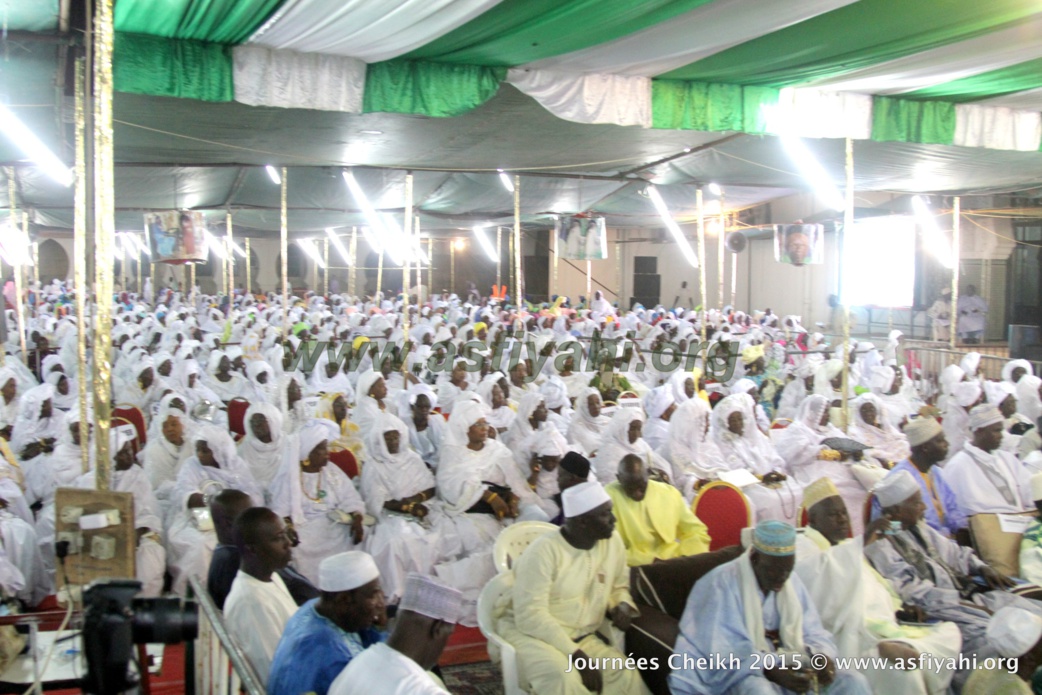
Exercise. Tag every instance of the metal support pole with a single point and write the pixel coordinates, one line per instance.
(519, 281)
(499, 257)
(104, 235)
(956, 253)
(79, 267)
(556, 254)
(249, 266)
(589, 284)
(720, 255)
(229, 252)
(19, 289)
(352, 279)
(618, 267)
(700, 204)
(430, 274)
(848, 223)
(452, 266)
(380, 273)
(734, 279)
(406, 279)
(325, 270)
(284, 250)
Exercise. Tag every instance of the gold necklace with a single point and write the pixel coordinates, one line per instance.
(320, 494)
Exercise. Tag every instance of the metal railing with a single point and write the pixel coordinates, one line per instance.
(215, 664)
(931, 359)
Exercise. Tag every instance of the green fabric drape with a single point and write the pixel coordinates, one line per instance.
(428, 89)
(994, 83)
(907, 120)
(858, 35)
(216, 21)
(515, 32)
(680, 105)
(172, 67)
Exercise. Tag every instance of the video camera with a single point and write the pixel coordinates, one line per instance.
(114, 621)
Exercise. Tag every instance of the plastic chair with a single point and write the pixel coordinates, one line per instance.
(725, 511)
(513, 540)
(497, 587)
(345, 460)
(237, 408)
(133, 415)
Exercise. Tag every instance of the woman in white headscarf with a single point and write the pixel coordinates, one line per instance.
(328, 377)
(127, 476)
(479, 475)
(169, 445)
(744, 447)
(623, 436)
(262, 447)
(291, 402)
(689, 450)
(871, 427)
(191, 386)
(318, 500)
(214, 467)
(412, 533)
(951, 376)
(798, 388)
(1029, 397)
(262, 383)
(659, 405)
(426, 428)
(139, 386)
(8, 401)
(531, 417)
(1013, 370)
(39, 424)
(557, 402)
(220, 378)
(370, 395)
(587, 426)
(956, 422)
(499, 415)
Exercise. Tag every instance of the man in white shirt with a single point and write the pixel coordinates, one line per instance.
(985, 479)
(427, 615)
(259, 605)
(973, 316)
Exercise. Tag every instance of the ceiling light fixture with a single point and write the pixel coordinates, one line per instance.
(673, 227)
(505, 179)
(33, 147)
(309, 249)
(714, 188)
(813, 172)
(273, 173)
(932, 234)
(338, 245)
(485, 244)
(213, 245)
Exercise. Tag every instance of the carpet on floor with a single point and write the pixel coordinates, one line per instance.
(466, 646)
(473, 679)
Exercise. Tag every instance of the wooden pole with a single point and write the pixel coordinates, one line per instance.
(956, 253)
(79, 267)
(249, 266)
(352, 279)
(229, 253)
(519, 281)
(848, 223)
(104, 236)
(284, 250)
(700, 203)
(721, 236)
(452, 266)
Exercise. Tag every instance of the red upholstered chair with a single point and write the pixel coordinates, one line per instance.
(866, 513)
(725, 511)
(132, 414)
(803, 517)
(345, 460)
(237, 408)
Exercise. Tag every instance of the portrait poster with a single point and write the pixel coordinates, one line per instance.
(582, 238)
(176, 236)
(799, 244)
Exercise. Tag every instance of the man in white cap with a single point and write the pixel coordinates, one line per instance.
(985, 479)
(259, 605)
(565, 584)
(328, 632)
(857, 605)
(741, 619)
(934, 573)
(1031, 543)
(1016, 636)
(427, 615)
(930, 448)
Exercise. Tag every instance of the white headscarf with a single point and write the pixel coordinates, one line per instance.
(264, 458)
(29, 426)
(751, 449)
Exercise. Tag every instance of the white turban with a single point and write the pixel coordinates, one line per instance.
(921, 430)
(883, 379)
(966, 393)
(984, 415)
(895, 488)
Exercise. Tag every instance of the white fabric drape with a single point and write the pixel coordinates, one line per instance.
(287, 79)
(614, 99)
(371, 31)
(817, 114)
(1030, 99)
(997, 128)
(691, 36)
(976, 56)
